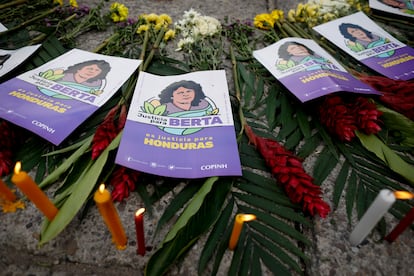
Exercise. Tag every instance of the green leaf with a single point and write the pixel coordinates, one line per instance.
(191, 209)
(187, 235)
(80, 192)
(159, 110)
(396, 121)
(280, 225)
(351, 194)
(303, 122)
(149, 108)
(177, 203)
(340, 184)
(324, 165)
(216, 236)
(395, 162)
(52, 177)
(277, 251)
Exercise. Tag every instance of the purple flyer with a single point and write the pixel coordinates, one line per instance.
(181, 126)
(307, 70)
(55, 98)
(371, 45)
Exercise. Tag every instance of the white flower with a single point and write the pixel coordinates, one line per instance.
(329, 6)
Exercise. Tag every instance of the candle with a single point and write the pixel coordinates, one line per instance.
(238, 225)
(110, 216)
(139, 226)
(6, 193)
(401, 226)
(25, 183)
(382, 203)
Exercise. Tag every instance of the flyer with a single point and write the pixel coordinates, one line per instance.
(10, 59)
(55, 98)
(397, 7)
(367, 42)
(181, 126)
(307, 70)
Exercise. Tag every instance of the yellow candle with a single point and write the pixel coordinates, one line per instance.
(238, 224)
(110, 216)
(6, 193)
(25, 183)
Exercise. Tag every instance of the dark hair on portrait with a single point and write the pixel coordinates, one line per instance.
(166, 94)
(102, 64)
(3, 58)
(343, 28)
(283, 52)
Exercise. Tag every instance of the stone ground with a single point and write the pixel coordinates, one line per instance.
(84, 248)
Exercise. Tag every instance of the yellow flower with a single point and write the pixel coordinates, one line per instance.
(11, 207)
(119, 12)
(164, 19)
(158, 26)
(311, 10)
(291, 15)
(277, 15)
(151, 18)
(142, 28)
(60, 2)
(170, 34)
(73, 3)
(263, 21)
(328, 17)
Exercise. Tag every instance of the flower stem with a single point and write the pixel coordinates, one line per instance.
(28, 22)
(153, 49)
(105, 42)
(238, 93)
(144, 49)
(12, 3)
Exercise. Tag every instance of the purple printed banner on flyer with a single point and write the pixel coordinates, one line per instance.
(181, 126)
(307, 70)
(55, 98)
(371, 45)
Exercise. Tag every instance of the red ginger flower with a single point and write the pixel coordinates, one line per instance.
(6, 162)
(366, 115)
(342, 118)
(396, 94)
(334, 113)
(288, 170)
(108, 130)
(10, 138)
(123, 180)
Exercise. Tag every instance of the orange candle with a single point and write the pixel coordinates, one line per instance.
(6, 193)
(25, 183)
(110, 216)
(139, 228)
(238, 225)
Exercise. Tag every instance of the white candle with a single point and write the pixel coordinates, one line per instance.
(382, 203)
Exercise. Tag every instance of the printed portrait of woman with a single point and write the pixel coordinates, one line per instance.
(88, 76)
(181, 99)
(358, 39)
(293, 53)
(406, 6)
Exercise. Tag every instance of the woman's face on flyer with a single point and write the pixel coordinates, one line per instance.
(394, 3)
(357, 33)
(183, 95)
(89, 71)
(297, 50)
